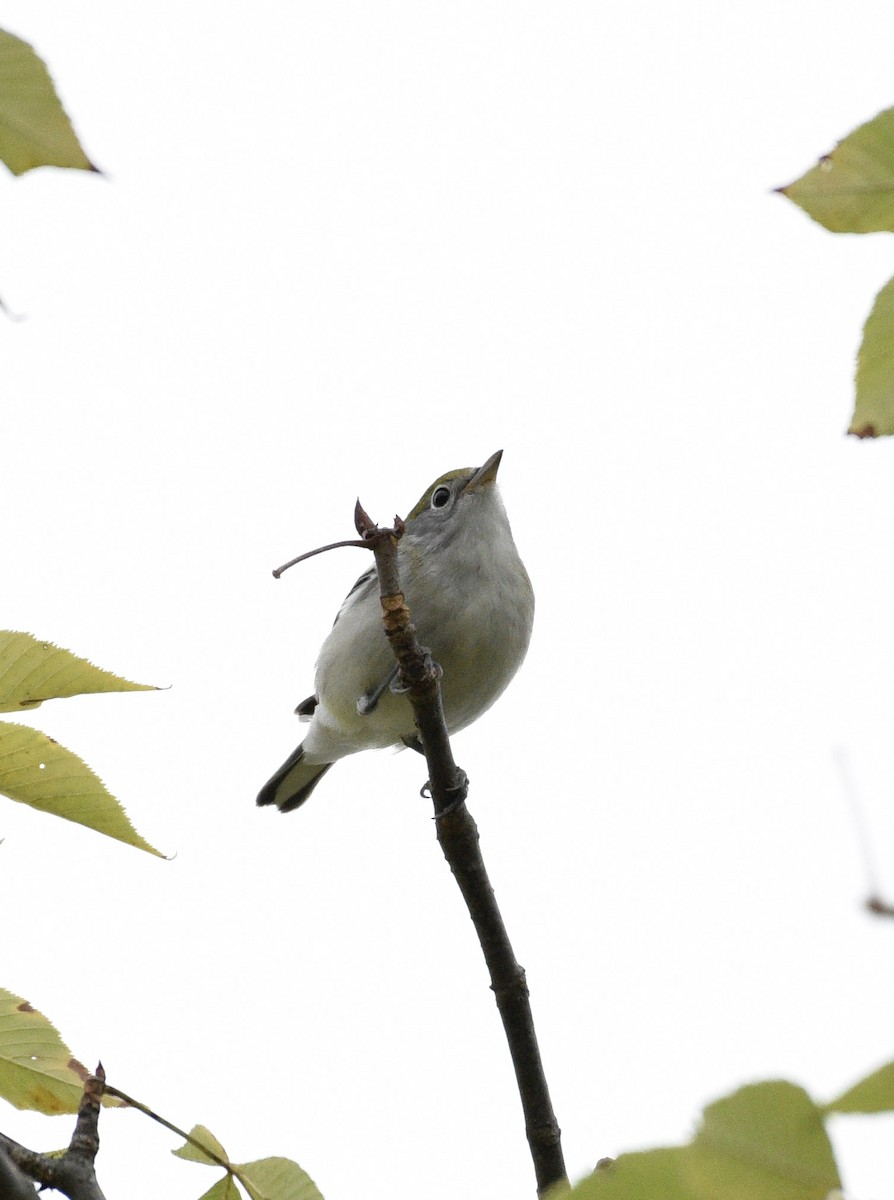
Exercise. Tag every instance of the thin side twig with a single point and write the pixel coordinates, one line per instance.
(187, 1137)
(458, 836)
(277, 571)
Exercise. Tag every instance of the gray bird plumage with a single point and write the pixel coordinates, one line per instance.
(473, 607)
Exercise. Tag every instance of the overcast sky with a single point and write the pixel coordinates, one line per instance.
(339, 249)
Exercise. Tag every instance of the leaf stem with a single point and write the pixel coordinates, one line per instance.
(187, 1137)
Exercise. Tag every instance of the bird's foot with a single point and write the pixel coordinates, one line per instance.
(432, 670)
(455, 796)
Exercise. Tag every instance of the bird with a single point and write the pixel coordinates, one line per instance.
(472, 604)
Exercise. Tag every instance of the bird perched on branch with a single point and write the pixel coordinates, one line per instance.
(472, 603)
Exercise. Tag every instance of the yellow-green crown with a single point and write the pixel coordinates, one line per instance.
(425, 499)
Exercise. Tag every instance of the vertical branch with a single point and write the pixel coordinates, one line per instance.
(72, 1173)
(458, 837)
(84, 1145)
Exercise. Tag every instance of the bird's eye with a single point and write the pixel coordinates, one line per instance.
(440, 496)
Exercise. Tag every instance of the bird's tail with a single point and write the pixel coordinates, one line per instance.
(293, 782)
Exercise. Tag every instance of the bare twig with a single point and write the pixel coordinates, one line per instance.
(458, 836)
(319, 550)
(874, 902)
(12, 316)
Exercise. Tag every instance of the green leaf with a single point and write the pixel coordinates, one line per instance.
(37, 771)
(32, 671)
(873, 1094)
(851, 189)
(224, 1189)
(34, 129)
(874, 410)
(37, 1070)
(766, 1140)
(265, 1179)
(276, 1179)
(648, 1175)
(193, 1154)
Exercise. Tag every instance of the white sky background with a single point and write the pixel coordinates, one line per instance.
(342, 248)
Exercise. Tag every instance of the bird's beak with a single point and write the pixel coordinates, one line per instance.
(486, 475)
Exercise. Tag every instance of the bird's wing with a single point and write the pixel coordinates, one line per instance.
(358, 592)
(366, 704)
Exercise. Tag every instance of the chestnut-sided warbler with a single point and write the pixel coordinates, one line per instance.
(473, 606)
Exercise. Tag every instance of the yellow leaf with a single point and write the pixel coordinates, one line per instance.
(851, 189)
(34, 129)
(32, 671)
(37, 1070)
(193, 1154)
(873, 1094)
(767, 1140)
(224, 1189)
(264, 1179)
(276, 1179)
(874, 410)
(39, 772)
